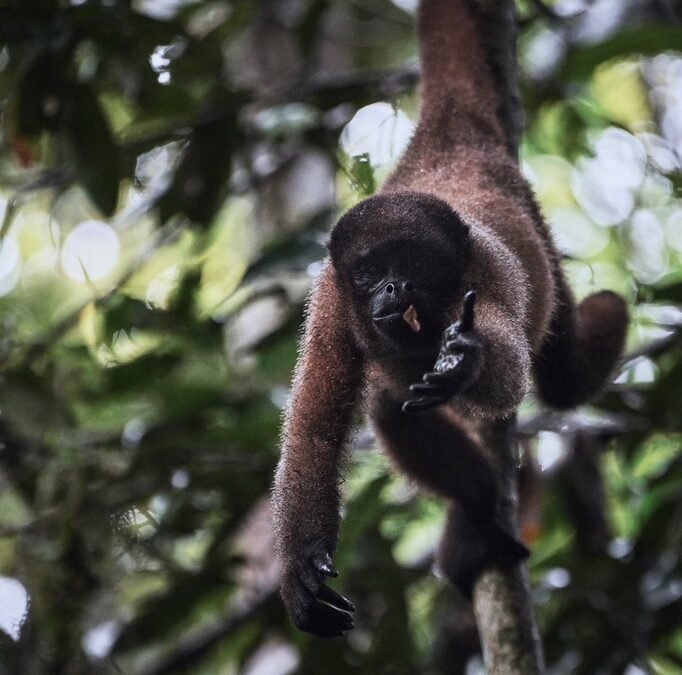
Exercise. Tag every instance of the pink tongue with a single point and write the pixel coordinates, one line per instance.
(410, 318)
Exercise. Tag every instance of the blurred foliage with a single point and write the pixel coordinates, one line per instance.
(168, 171)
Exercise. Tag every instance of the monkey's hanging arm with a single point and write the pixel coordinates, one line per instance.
(306, 498)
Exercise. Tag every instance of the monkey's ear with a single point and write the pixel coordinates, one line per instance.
(331, 250)
(337, 243)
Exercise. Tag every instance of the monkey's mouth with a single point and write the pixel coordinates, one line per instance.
(393, 316)
(398, 321)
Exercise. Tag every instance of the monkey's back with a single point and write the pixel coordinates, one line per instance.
(459, 153)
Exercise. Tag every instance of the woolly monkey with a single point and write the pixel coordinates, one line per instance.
(443, 294)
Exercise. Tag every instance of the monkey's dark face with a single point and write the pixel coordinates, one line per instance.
(399, 259)
(401, 290)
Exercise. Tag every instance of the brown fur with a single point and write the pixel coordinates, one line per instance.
(524, 318)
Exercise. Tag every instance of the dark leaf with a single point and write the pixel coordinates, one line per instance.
(296, 251)
(91, 148)
(169, 612)
(40, 95)
(670, 293)
(200, 181)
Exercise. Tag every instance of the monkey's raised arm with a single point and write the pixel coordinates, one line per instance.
(505, 363)
(484, 364)
(306, 497)
(484, 361)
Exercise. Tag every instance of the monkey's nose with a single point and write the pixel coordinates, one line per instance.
(393, 287)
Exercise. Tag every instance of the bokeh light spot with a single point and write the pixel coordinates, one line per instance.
(90, 251)
(379, 130)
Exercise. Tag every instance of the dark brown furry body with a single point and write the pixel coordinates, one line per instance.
(459, 191)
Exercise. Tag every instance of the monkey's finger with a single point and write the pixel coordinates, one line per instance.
(426, 392)
(331, 597)
(427, 403)
(466, 323)
(423, 403)
(423, 388)
(324, 566)
(447, 366)
(443, 379)
(309, 577)
(414, 404)
(323, 620)
(455, 347)
(331, 622)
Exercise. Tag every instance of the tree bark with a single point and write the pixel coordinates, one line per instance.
(502, 605)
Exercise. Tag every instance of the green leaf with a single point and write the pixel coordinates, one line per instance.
(361, 175)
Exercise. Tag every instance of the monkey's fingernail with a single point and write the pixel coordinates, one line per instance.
(326, 567)
(328, 571)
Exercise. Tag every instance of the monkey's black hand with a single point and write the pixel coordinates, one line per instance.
(312, 606)
(457, 366)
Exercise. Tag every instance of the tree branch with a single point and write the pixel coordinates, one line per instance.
(502, 605)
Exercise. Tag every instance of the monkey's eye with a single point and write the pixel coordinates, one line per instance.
(367, 271)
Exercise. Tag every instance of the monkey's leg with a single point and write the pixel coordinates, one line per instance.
(582, 347)
(435, 449)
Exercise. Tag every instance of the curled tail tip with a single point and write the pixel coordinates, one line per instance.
(577, 361)
(606, 302)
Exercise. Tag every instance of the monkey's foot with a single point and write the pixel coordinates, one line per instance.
(467, 549)
(458, 364)
(312, 606)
